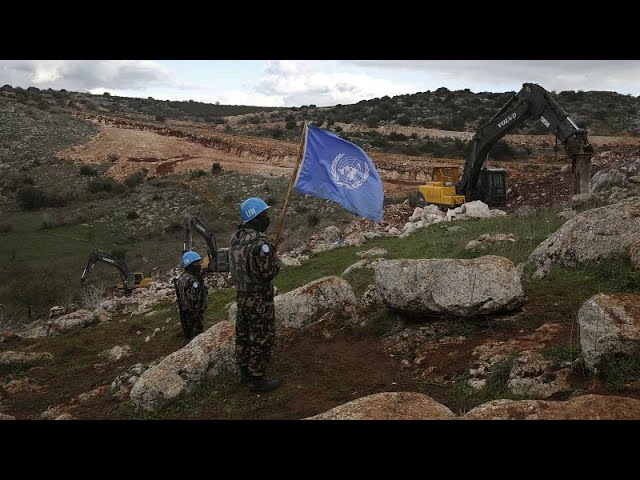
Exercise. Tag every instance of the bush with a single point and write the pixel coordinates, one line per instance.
(291, 124)
(100, 184)
(32, 198)
(88, 171)
(5, 227)
(134, 179)
(216, 168)
(197, 174)
(132, 215)
(313, 219)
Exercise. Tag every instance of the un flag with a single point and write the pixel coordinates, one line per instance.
(338, 170)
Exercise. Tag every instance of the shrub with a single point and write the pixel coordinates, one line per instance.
(100, 184)
(88, 171)
(32, 198)
(5, 227)
(216, 168)
(132, 215)
(197, 174)
(134, 179)
(313, 219)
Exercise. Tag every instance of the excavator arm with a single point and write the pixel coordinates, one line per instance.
(532, 101)
(96, 256)
(218, 259)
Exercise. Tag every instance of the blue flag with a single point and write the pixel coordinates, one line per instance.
(338, 170)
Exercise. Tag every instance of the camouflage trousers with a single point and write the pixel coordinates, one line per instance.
(191, 325)
(255, 330)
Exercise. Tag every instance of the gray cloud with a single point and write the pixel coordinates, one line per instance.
(499, 75)
(83, 75)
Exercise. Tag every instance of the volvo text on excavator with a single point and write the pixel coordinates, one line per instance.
(218, 259)
(489, 185)
(130, 280)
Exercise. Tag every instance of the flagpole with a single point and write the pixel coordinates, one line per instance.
(291, 182)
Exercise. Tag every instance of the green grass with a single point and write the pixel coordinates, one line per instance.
(567, 352)
(566, 288)
(617, 369)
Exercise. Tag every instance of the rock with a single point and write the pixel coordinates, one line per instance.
(389, 406)
(525, 211)
(72, 321)
(117, 353)
(567, 214)
(609, 323)
(4, 416)
(534, 376)
(633, 250)
(459, 287)
(206, 356)
(355, 239)
(607, 178)
(586, 407)
(372, 252)
(311, 303)
(590, 236)
(17, 358)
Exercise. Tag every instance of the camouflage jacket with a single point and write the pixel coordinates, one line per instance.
(192, 294)
(253, 263)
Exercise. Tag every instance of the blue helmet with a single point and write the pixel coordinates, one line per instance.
(251, 208)
(189, 257)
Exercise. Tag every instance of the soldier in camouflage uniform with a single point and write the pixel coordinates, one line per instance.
(253, 264)
(191, 296)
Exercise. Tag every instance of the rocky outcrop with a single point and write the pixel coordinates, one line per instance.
(590, 236)
(73, 321)
(311, 303)
(206, 356)
(609, 323)
(487, 240)
(389, 406)
(16, 358)
(458, 287)
(117, 353)
(586, 407)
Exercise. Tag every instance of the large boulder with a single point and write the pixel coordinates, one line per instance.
(590, 236)
(311, 302)
(389, 406)
(609, 323)
(586, 407)
(207, 355)
(459, 287)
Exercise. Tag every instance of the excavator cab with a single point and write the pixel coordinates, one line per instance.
(491, 187)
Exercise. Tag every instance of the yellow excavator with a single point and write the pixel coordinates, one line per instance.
(489, 184)
(130, 280)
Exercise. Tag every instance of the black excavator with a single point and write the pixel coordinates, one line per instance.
(489, 185)
(218, 259)
(130, 280)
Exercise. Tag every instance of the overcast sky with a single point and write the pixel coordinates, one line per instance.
(291, 83)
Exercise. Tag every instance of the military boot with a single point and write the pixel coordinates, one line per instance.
(261, 384)
(245, 375)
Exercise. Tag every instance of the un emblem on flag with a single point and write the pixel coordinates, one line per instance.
(349, 172)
